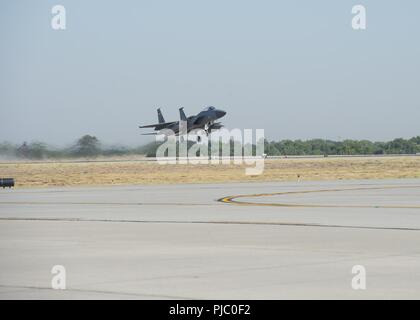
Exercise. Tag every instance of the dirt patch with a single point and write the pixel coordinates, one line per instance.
(130, 172)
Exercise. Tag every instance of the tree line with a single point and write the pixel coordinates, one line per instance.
(90, 146)
(346, 147)
(87, 146)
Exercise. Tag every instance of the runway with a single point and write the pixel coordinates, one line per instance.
(218, 241)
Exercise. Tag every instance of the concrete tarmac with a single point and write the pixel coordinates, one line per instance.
(221, 241)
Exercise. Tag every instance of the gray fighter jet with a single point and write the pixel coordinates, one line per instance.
(205, 120)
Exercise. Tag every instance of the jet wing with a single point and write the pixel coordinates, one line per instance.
(162, 125)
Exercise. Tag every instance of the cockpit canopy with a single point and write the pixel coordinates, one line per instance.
(209, 108)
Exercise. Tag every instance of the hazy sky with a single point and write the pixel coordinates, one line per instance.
(295, 68)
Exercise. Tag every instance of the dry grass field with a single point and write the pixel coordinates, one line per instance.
(45, 174)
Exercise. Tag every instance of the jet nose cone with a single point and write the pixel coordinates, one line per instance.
(220, 113)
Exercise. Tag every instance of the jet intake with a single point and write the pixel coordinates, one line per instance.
(215, 126)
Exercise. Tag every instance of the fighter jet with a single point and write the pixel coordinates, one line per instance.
(205, 120)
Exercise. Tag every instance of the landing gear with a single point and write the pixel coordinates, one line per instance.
(207, 128)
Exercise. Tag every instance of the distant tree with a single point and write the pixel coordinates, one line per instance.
(270, 149)
(402, 146)
(7, 149)
(34, 150)
(23, 150)
(416, 140)
(37, 150)
(88, 146)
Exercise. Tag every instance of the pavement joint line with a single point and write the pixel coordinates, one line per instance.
(105, 203)
(96, 291)
(255, 223)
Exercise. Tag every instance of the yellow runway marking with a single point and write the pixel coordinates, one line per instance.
(232, 199)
